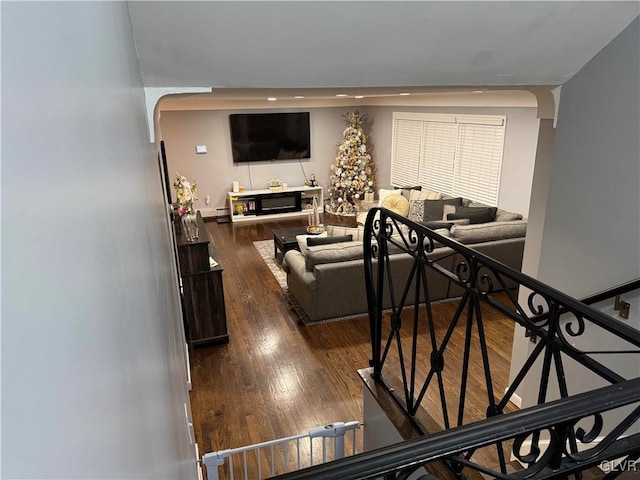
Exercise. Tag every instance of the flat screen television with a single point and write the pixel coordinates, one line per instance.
(259, 137)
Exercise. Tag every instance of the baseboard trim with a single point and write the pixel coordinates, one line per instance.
(208, 212)
(515, 399)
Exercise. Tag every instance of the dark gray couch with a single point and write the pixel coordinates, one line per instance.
(329, 281)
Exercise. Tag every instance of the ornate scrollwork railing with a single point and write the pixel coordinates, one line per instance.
(562, 327)
(558, 418)
(553, 438)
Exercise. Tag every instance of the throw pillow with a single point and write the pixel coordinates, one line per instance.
(416, 210)
(311, 241)
(474, 214)
(434, 209)
(474, 218)
(302, 241)
(397, 204)
(338, 231)
(470, 209)
(382, 193)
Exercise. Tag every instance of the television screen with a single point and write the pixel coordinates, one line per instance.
(269, 136)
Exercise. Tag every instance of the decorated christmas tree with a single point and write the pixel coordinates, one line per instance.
(352, 173)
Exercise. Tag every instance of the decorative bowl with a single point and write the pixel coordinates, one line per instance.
(315, 229)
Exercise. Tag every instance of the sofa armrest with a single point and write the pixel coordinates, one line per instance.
(302, 283)
(295, 265)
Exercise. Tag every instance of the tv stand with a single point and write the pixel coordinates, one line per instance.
(256, 205)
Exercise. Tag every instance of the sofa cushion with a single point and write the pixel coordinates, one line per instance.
(433, 209)
(313, 241)
(437, 224)
(302, 241)
(336, 252)
(486, 232)
(424, 194)
(505, 216)
(445, 232)
(338, 231)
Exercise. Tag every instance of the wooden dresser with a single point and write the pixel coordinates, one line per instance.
(202, 288)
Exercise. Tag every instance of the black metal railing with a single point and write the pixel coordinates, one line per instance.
(558, 418)
(563, 432)
(558, 321)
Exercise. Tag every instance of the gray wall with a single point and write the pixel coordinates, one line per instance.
(590, 223)
(593, 223)
(214, 171)
(93, 372)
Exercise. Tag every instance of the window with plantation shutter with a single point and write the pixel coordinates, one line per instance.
(439, 146)
(407, 134)
(459, 155)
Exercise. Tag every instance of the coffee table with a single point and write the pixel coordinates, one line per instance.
(284, 239)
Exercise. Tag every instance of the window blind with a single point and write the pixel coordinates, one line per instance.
(406, 147)
(478, 163)
(459, 155)
(437, 163)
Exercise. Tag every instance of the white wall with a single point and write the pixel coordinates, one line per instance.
(93, 373)
(590, 225)
(215, 170)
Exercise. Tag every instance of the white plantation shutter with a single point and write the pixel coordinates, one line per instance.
(459, 155)
(439, 154)
(406, 152)
(478, 162)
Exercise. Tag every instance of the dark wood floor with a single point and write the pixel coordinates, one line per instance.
(277, 378)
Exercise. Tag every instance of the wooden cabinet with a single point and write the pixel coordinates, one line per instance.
(202, 288)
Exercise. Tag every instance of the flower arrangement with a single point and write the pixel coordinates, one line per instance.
(185, 194)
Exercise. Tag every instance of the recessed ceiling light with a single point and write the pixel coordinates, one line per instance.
(359, 96)
(272, 99)
(405, 93)
(341, 95)
(299, 96)
(478, 91)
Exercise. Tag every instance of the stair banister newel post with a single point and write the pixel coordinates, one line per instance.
(374, 303)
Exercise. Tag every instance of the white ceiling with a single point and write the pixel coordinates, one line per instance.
(319, 44)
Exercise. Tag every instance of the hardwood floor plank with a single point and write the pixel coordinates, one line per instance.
(277, 378)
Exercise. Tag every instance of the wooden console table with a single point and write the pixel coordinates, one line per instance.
(257, 205)
(202, 288)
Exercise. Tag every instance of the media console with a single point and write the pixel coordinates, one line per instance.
(253, 205)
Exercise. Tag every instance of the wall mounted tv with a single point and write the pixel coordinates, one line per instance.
(269, 136)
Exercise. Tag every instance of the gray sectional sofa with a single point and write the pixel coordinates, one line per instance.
(328, 280)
